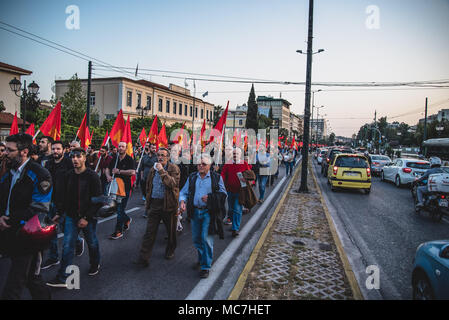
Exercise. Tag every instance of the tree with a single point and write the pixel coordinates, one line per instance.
(264, 122)
(217, 113)
(270, 113)
(331, 139)
(74, 104)
(252, 114)
(32, 105)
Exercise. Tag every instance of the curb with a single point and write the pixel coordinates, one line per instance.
(240, 284)
(357, 294)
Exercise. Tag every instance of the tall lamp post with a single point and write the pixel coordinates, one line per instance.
(33, 90)
(142, 111)
(313, 105)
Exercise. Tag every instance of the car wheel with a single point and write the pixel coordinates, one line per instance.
(397, 182)
(422, 290)
(436, 216)
(382, 177)
(367, 191)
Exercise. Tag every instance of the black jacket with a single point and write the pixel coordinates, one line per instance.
(215, 203)
(30, 195)
(79, 190)
(58, 173)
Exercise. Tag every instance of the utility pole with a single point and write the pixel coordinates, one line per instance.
(89, 81)
(305, 149)
(374, 131)
(425, 127)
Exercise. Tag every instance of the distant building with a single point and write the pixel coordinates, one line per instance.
(443, 114)
(296, 124)
(171, 104)
(237, 118)
(9, 98)
(319, 128)
(281, 110)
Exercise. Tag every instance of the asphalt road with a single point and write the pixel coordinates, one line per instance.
(120, 279)
(385, 229)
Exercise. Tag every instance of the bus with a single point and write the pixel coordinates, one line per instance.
(437, 148)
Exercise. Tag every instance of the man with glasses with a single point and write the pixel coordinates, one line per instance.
(82, 184)
(122, 166)
(203, 196)
(162, 204)
(25, 190)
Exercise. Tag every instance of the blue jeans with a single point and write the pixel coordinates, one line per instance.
(262, 180)
(53, 250)
(122, 217)
(288, 168)
(203, 242)
(236, 208)
(70, 235)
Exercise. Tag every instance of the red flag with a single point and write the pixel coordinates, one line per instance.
(152, 135)
(143, 137)
(14, 127)
(293, 145)
(52, 125)
(105, 140)
(221, 122)
(83, 134)
(31, 132)
(118, 129)
(162, 141)
(127, 138)
(203, 129)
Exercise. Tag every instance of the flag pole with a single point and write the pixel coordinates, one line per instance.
(98, 162)
(140, 160)
(35, 135)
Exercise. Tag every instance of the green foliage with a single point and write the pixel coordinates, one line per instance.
(217, 112)
(32, 105)
(264, 122)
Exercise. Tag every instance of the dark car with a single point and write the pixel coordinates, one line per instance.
(329, 158)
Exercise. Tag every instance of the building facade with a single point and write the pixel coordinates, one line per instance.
(237, 118)
(319, 129)
(7, 73)
(296, 124)
(171, 104)
(281, 110)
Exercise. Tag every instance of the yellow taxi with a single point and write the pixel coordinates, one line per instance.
(350, 171)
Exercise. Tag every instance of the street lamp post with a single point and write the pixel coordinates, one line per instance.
(142, 111)
(33, 90)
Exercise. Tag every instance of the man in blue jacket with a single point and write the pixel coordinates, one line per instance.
(25, 190)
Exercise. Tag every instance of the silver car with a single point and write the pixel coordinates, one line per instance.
(404, 171)
(378, 162)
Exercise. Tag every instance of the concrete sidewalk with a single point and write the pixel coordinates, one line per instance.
(299, 255)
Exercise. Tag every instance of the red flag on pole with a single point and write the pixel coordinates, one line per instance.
(14, 126)
(203, 129)
(52, 125)
(83, 134)
(221, 122)
(143, 137)
(118, 129)
(162, 141)
(127, 138)
(31, 132)
(152, 135)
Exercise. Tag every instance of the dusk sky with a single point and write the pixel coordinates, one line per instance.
(252, 39)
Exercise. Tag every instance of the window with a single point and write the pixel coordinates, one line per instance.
(180, 109)
(160, 105)
(92, 98)
(191, 110)
(139, 99)
(129, 98)
(185, 110)
(240, 122)
(207, 115)
(196, 112)
(202, 113)
(174, 107)
(167, 106)
(109, 116)
(351, 162)
(149, 102)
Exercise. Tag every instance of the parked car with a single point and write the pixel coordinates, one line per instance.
(378, 162)
(329, 158)
(430, 276)
(404, 171)
(350, 171)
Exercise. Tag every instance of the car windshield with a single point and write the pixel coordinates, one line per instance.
(382, 158)
(351, 162)
(418, 165)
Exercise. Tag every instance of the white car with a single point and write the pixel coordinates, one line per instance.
(404, 171)
(321, 155)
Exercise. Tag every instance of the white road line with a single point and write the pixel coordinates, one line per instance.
(60, 235)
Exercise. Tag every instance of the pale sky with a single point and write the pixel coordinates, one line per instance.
(253, 39)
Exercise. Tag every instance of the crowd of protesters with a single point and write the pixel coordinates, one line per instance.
(58, 181)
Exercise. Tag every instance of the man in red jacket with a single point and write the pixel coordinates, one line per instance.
(230, 174)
